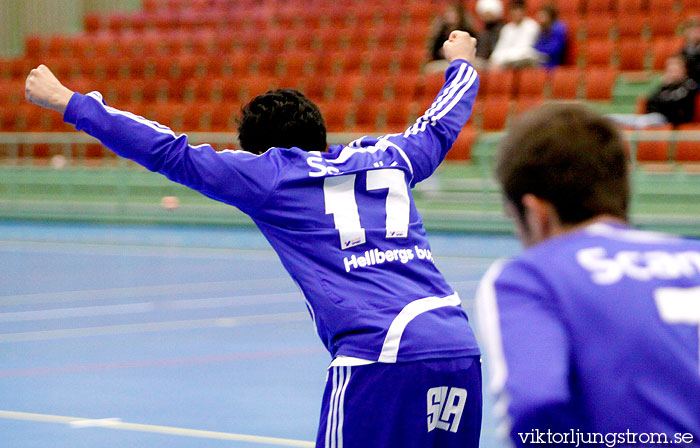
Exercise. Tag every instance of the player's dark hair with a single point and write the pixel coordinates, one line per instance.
(517, 4)
(282, 118)
(569, 156)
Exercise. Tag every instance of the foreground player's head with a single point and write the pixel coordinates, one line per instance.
(282, 118)
(560, 166)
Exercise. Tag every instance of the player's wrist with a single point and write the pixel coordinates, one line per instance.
(460, 57)
(61, 98)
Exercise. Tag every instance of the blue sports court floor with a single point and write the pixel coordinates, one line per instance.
(153, 336)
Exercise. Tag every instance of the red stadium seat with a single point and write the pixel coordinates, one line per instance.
(170, 115)
(398, 115)
(197, 117)
(34, 46)
(525, 104)
(565, 82)
(316, 90)
(375, 87)
(59, 45)
(11, 93)
(351, 61)
(355, 38)
(461, 149)
(411, 61)
(223, 116)
(531, 82)
(336, 115)
(632, 54)
(92, 22)
(687, 150)
(599, 52)
(632, 25)
(625, 7)
(404, 85)
(691, 6)
(662, 49)
(599, 26)
(382, 62)
(236, 64)
(654, 150)
(494, 114)
(297, 63)
(570, 8)
(535, 5)
(258, 85)
(599, 83)
(497, 83)
(660, 6)
(266, 63)
(429, 88)
(15, 69)
(664, 24)
(598, 6)
(367, 114)
(345, 88)
(302, 39)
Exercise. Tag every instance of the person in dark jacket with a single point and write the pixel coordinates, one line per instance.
(454, 17)
(691, 48)
(673, 102)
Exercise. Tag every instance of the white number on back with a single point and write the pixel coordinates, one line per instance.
(339, 193)
(679, 306)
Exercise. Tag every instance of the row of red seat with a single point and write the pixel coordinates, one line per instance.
(297, 64)
(623, 55)
(567, 7)
(560, 83)
(594, 25)
(206, 43)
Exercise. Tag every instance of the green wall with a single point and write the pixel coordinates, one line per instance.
(19, 18)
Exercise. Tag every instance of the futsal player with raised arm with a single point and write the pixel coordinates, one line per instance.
(406, 366)
(591, 333)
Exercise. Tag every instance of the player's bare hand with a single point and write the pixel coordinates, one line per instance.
(460, 45)
(44, 89)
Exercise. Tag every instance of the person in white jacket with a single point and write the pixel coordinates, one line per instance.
(515, 47)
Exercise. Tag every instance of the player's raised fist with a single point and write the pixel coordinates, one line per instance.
(44, 89)
(460, 45)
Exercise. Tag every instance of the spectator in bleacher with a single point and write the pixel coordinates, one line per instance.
(454, 17)
(691, 48)
(551, 42)
(491, 14)
(673, 102)
(515, 47)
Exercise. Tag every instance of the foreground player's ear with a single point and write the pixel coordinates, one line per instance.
(541, 218)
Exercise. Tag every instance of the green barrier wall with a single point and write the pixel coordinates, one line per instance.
(460, 197)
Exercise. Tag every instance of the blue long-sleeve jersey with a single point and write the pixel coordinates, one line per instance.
(343, 222)
(596, 331)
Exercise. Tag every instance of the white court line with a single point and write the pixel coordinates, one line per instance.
(148, 307)
(138, 291)
(150, 327)
(114, 423)
(142, 250)
(175, 251)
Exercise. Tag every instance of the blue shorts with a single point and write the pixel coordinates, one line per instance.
(421, 404)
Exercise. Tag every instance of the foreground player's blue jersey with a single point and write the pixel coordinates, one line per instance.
(343, 222)
(596, 331)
